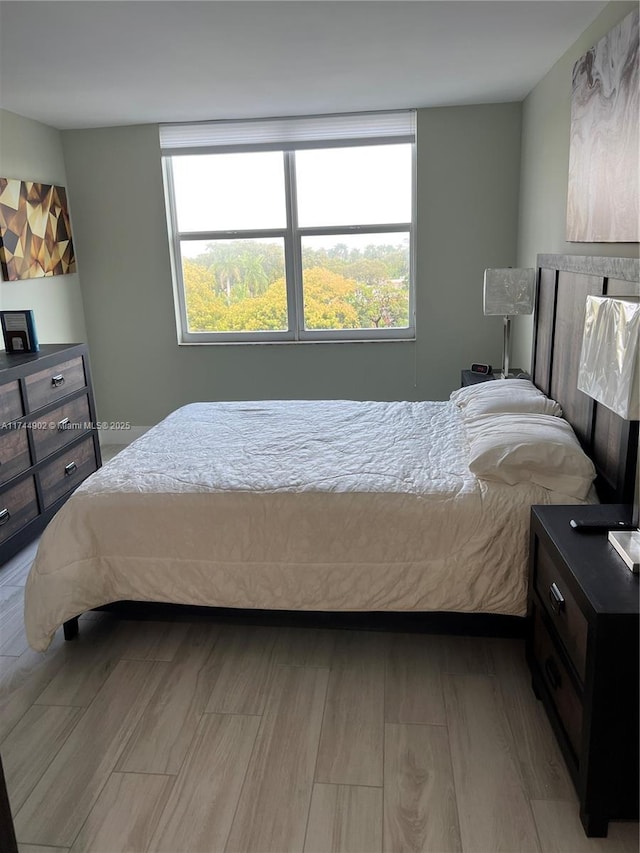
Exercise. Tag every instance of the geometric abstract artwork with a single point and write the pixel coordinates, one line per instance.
(603, 201)
(35, 230)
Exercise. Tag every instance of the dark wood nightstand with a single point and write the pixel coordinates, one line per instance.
(467, 377)
(582, 649)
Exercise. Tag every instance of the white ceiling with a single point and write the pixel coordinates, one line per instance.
(96, 63)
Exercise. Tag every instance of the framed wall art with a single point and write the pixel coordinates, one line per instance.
(604, 173)
(35, 230)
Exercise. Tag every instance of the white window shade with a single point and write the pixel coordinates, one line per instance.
(609, 358)
(288, 133)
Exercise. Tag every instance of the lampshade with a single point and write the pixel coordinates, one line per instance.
(609, 358)
(509, 291)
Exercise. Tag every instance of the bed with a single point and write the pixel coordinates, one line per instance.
(253, 506)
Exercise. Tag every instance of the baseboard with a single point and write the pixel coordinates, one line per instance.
(111, 435)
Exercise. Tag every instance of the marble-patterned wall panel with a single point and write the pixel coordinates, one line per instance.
(603, 192)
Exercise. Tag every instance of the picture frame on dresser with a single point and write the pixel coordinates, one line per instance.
(48, 438)
(19, 331)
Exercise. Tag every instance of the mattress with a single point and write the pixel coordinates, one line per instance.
(296, 505)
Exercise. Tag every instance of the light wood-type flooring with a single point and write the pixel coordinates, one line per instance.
(188, 737)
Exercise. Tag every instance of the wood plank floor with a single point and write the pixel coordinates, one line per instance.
(203, 738)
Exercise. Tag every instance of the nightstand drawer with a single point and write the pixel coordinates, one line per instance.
(18, 505)
(47, 386)
(563, 611)
(59, 427)
(67, 471)
(558, 682)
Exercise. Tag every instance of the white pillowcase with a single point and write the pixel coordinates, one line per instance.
(503, 395)
(529, 448)
(461, 396)
(514, 404)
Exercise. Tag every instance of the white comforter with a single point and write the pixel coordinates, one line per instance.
(289, 505)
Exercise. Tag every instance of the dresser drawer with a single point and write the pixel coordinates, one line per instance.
(562, 609)
(14, 452)
(57, 428)
(558, 681)
(10, 402)
(47, 386)
(18, 505)
(67, 471)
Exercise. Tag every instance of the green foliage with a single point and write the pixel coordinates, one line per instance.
(327, 302)
(205, 309)
(240, 286)
(242, 269)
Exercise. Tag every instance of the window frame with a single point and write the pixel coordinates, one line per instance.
(292, 235)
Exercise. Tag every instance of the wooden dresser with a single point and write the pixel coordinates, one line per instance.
(48, 438)
(582, 649)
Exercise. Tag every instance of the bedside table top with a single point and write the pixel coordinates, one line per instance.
(600, 572)
(468, 377)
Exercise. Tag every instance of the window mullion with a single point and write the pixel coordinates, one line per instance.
(293, 249)
(346, 230)
(246, 234)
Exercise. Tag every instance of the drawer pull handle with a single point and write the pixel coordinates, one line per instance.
(5, 515)
(57, 381)
(556, 598)
(553, 673)
(63, 424)
(70, 468)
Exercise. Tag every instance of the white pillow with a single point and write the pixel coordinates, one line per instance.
(512, 404)
(529, 448)
(492, 388)
(504, 395)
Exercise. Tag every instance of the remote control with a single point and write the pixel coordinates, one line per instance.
(589, 526)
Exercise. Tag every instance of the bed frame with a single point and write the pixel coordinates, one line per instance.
(564, 281)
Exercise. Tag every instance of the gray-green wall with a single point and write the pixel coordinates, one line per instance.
(546, 122)
(467, 207)
(32, 151)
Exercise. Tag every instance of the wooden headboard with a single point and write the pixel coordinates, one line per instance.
(564, 282)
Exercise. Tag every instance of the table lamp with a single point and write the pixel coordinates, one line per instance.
(609, 374)
(508, 292)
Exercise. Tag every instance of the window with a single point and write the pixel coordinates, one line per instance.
(292, 229)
